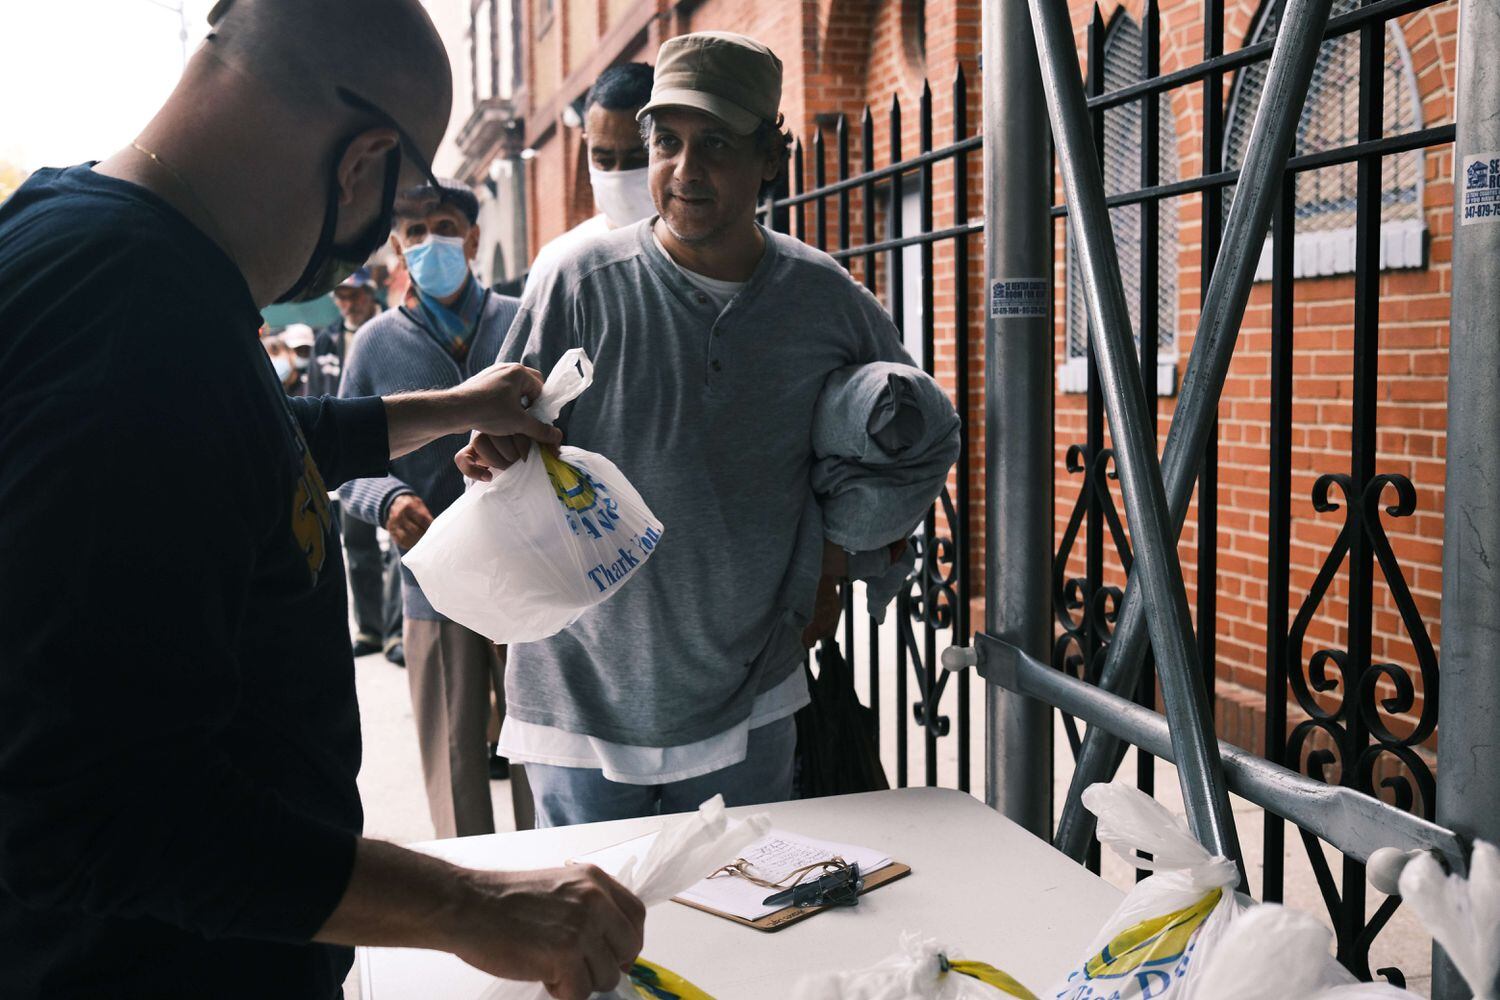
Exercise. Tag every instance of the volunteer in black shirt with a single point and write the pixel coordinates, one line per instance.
(179, 737)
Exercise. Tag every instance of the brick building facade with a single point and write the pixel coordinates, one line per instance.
(841, 55)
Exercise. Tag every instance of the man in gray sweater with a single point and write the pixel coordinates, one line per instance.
(712, 339)
(453, 330)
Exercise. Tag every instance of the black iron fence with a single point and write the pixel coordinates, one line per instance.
(902, 656)
(1350, 702)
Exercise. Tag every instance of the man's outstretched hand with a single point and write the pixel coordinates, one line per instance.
(495, 447)
(494, 403)
(573, 929)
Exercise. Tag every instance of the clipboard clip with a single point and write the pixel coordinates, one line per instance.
(837, 888)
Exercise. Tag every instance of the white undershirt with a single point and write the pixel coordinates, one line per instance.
(528, 742)
(718, 291)
(631, 765)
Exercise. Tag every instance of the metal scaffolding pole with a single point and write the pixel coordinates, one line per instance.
(1468, 773)
(1355, 823)
(1158, 571)
(1266, 153)
(1018, 407)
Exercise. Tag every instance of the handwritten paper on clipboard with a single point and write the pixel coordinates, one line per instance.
(772, 858)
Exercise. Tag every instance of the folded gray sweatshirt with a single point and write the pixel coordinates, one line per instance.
(884, 437)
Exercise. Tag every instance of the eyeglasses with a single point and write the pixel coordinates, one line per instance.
(834, 882)
(408, 144)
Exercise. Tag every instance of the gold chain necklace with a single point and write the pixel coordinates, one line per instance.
(182, 182)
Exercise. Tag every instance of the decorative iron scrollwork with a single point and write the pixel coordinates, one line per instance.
(932, 600)
(1350, 720)
(1086, 616)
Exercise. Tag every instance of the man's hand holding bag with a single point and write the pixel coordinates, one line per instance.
(538, 541)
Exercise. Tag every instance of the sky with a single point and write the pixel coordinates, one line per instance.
(79, 78)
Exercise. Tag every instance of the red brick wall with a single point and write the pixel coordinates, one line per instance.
(1413, 370)
(843, 54)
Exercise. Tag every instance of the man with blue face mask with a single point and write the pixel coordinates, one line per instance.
(453, 330)
(617, 163)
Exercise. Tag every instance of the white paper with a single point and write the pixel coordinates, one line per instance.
(772, 856)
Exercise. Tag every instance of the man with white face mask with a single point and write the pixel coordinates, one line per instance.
(452, 330)
(617, 163)
(299, 339)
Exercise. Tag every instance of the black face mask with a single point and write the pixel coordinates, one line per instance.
(332, 262)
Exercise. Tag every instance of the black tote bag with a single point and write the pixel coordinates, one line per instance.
(838, 751)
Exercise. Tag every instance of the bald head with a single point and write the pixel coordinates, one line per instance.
(279, 136)
(386, 52)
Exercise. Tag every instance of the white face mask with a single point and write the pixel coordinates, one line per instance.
(622, 195)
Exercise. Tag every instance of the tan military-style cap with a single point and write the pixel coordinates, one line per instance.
(732, 77)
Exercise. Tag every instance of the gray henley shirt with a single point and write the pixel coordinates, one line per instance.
(709, 414)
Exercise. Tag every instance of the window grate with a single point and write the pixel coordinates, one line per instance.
(1326, 198)
(1124, 65)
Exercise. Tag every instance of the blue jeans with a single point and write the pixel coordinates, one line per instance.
(568, 795)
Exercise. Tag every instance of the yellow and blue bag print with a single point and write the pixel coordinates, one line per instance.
(991, 976)
(649, 981)
(521, 557)
(919, 969)
(1156, 942)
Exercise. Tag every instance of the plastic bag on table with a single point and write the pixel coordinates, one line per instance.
(1463, 914)
(521, 557)
(1151, 945)
(1272, 953)
(681, 855)
(920, 970)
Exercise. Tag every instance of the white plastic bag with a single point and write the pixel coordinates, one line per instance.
(1149, 946)
(919, 970)
(1272, 953)
(1463, 914)
(688, 850)
(521, 557)
(683, 854)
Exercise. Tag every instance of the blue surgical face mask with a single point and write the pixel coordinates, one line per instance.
(438, 265)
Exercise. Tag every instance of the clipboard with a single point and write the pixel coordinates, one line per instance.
(772, 922)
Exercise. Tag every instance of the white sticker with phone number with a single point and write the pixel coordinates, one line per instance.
(1480, 182)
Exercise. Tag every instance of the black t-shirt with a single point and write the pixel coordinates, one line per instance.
(179, 736)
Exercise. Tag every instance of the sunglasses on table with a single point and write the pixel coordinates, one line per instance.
(834, 882)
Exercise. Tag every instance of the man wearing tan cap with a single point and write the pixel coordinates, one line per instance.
(712, 338)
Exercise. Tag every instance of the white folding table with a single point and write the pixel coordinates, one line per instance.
(980, 885)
